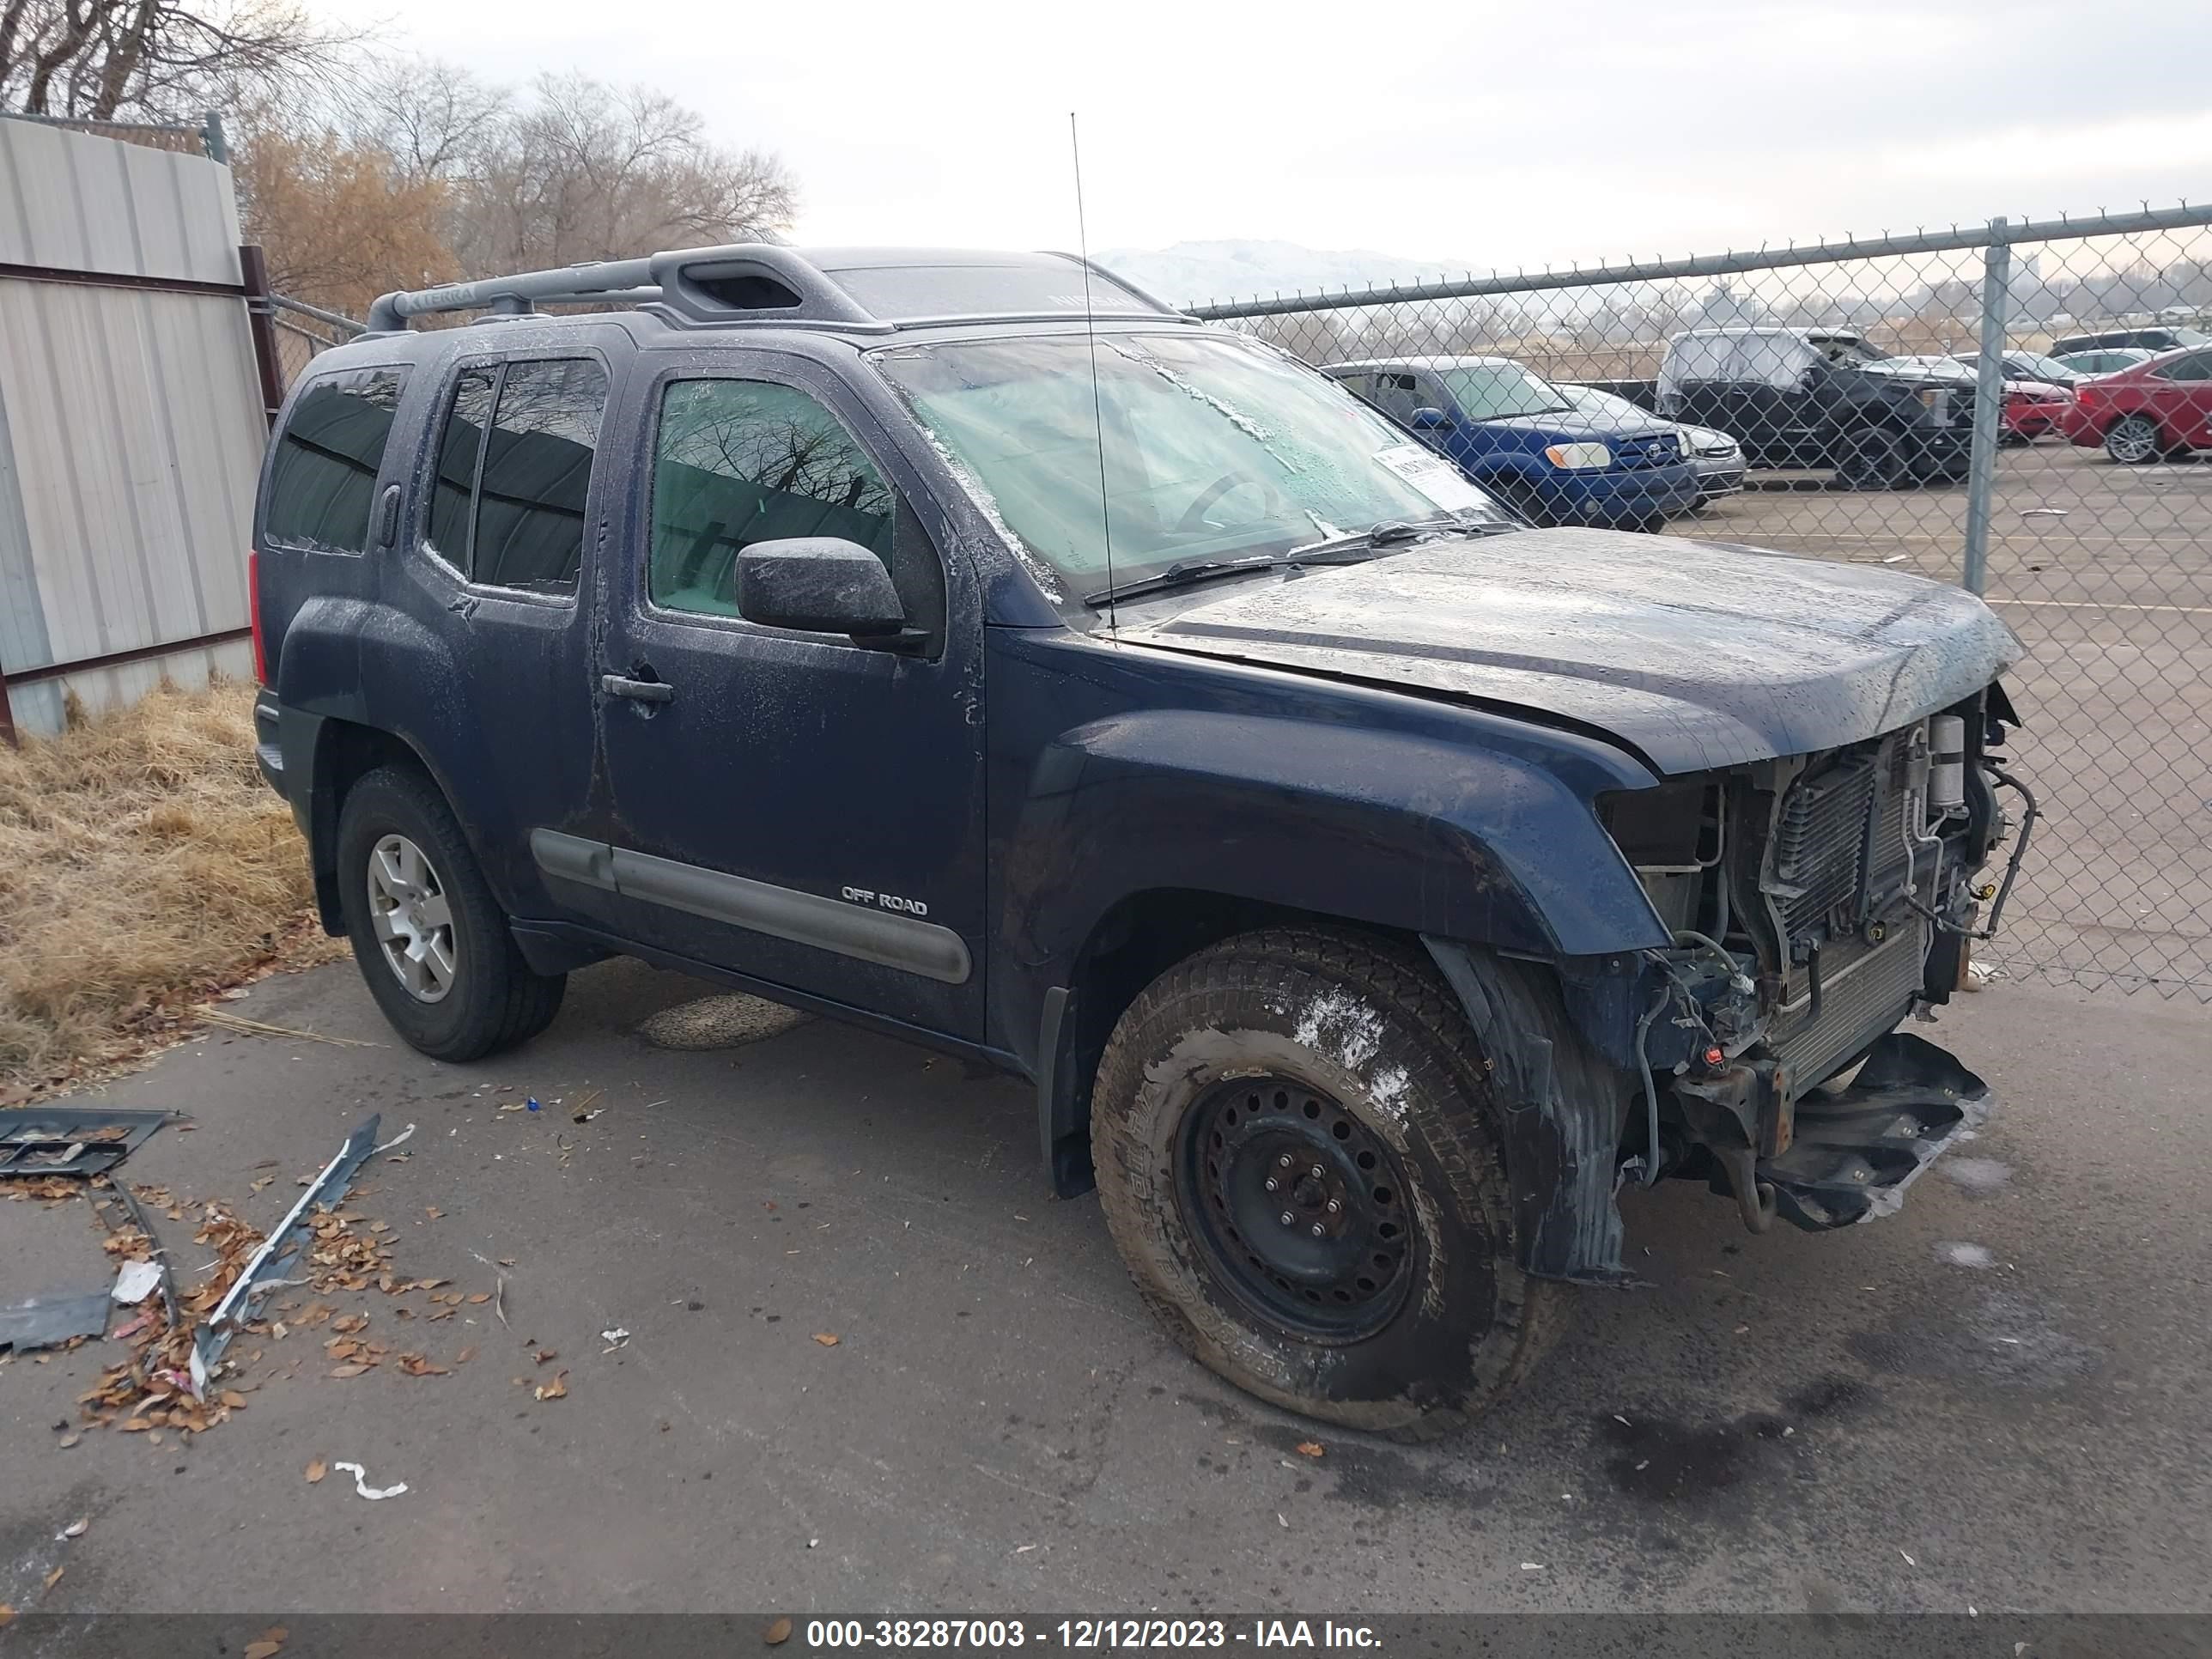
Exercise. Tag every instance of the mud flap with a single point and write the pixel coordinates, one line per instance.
(1855, 1151)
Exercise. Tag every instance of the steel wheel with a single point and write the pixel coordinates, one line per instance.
(2134, 441)
(414, 922)
(1299, 1210)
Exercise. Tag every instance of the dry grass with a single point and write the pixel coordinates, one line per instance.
(144, 866)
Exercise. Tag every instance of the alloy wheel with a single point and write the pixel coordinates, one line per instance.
(413, 919)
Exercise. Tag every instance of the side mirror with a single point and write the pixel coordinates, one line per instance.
(1429, 420)
(823, 584)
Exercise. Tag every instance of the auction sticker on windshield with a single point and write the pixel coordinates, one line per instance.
(1433, 476)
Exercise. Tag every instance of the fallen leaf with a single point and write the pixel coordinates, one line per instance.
(351, 1368)
(7, 1615)
(556, 1389)
(1309, 1449)
(777, 1633)
(825, 1338)
(465, 1356)
(433, 1212)
(480, 1296)
(76, 1528)
(232, 1398)
(55, 1576)
(544, 1354)
(316, 1470)
(69, 1440)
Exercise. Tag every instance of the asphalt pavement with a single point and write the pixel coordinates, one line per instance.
(1996, 1399)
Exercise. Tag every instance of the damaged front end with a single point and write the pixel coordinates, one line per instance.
(1815, 901)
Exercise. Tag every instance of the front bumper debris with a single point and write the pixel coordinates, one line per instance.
(1855, 1151)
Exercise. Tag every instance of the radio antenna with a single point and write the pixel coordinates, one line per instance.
(1098, 405)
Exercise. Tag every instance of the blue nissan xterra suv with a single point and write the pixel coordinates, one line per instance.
(1529, 443)
(969, 646)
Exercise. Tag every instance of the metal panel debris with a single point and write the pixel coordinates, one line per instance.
(47, 1321)
(71, 1140)
(277, 1253)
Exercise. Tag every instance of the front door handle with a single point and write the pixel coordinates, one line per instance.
(614, 685)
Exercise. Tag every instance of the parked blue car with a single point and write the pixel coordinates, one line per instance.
(1521, 439)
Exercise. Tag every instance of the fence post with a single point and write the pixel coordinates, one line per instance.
(212, 139)
(260, 323)
(1989, 404)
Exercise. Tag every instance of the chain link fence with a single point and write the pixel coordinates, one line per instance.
(303, 330)
(2025, 409)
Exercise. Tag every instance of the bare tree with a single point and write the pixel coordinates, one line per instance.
(340, 221)
(584, 171)
(435, 121)
(159, 59)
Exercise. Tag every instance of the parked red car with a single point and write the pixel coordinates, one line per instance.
(2160, 406)
(2032, 408)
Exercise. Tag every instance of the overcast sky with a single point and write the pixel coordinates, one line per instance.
(1475, 131)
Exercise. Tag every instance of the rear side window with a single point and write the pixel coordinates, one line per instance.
(515, 469)
(322, 484)
(746, 461)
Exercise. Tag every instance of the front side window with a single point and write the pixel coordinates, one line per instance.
(1486, 392)
(743, 461)
(1211, 447)
(322, 482)
(514, 470)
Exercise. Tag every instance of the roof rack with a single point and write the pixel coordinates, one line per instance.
(765, 283)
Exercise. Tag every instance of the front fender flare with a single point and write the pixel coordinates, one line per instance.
(1562, 1110)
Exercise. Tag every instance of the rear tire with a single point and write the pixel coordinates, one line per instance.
(2136, 440)
(432, 943)
(1343, 1068)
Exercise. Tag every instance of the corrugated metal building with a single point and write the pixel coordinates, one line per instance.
(132, 421)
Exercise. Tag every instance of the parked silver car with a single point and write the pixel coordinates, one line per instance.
(1717, 457)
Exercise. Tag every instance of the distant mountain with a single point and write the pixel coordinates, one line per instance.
(1191, 273)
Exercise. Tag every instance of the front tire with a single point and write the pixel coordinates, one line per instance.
(1872, 458)
(432, 943)
(1330, 1079)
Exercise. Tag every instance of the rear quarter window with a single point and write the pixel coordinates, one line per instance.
(322, 478)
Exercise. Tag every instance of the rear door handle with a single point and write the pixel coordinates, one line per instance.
(614, 685)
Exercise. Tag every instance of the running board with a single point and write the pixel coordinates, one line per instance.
(1854, 1153)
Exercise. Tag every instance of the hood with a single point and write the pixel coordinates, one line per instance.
(1922, 374)
(1576, 423)
(1693, 654)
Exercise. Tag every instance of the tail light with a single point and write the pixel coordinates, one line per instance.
(253, 612)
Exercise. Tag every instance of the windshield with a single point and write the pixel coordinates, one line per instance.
(1491, 389)
(1213, 449)
(1591, 401)
(2034, 366)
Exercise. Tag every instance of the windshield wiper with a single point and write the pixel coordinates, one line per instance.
(1387, 533)
(1179, 575)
